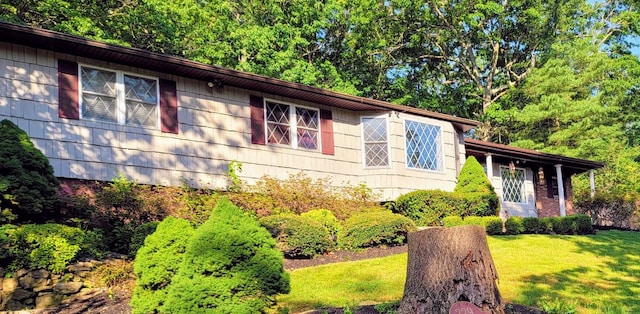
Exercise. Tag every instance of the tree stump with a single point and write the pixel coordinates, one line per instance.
(447, 265)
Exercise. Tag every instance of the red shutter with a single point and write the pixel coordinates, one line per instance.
(168, 107)
(257, 120)
(68, 105)
(326, 132)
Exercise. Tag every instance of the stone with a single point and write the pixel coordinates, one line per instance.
(13, 305)
(29, 302)
(32, 280)
(67, 287)
(44, 288)
(21, 272)
(9, 284)
(45, 300)
(80, 266)
(22, 294)
(40, 273)
(83, 274)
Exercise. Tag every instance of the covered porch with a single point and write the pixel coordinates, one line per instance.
(530, 183)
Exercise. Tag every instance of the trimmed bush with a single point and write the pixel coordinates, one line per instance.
(476, 188)
(157, 261)
(231, 265)
(297, 236)
(327, 219)
(514, 225)
(493, 225)
(584, 224)
(48, 246)
(546, 225)
(139, 234)
(375, 228)
(452, 221)
(562, 225)
(474, 220)
(531, 225)
(28, 187)
(428, 207)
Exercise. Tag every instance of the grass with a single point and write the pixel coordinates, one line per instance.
(593, 274)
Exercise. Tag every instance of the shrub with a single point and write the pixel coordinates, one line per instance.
(584, 225)
(481, 204)
(139, 234)
(608, 210)
(474, 220)
(562, 225)
(375, 228)
(28, 187)
(428, 207)
(493, 225)
(475, 186)
(48, 246)
(298, 236)
(531, 225)
(546, 225)
(157, 261)
(452, 221)
(514, 225)
(327, 219)
(231, 265)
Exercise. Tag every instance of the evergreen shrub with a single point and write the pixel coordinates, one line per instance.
(546, 225)
(231, 265)
(493, 225)
(375, 228)
(474, 220)
(139, 234)
(584, 224)
(514, 225)
(327, 219)
(157, 261)
(531, 225)
(428, 207)
(297, 236)
(477, 190)
(562, 225)
(48, 246)
(452, 221)
(28, 187)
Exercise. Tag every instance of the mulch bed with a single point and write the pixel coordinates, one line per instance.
(105, 303)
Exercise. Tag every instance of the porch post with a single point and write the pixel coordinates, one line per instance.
(563, 209)
(489, 162)
(592, 181)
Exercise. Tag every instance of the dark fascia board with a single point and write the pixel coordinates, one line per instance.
(510, 152)
(78, 46)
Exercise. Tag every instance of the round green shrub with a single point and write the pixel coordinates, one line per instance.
(584, 224)
(327, 219)
(28, 187)
(475, 186)
(375, 228)
(546, 225)
(139, 234)
(493, 225)
(157, 261)
(531, 225)
(452, 221)
(298, 236)
(562, 225)
(48, 246)
(428, 207)
(514, 225)
(231, 265)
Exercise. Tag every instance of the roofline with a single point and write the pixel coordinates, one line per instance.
(506, 151)
(79, 46)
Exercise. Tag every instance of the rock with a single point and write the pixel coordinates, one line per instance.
(83, 274)
(45, 300)
(22, 294)
(13, 305)
(40, 273)
(21, 272)
(78, 267)
(67, 287)
(44, 288)
(9, 284)
(33, 280)
(29, 302)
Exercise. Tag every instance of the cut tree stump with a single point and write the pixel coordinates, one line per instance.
(447, 265)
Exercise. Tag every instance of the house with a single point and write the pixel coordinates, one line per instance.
(97, 110)
(530, 183)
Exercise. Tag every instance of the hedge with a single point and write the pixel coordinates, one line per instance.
(375, 228)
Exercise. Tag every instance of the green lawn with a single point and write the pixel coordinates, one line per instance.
(595, 274)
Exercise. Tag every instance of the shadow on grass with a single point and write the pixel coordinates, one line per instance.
(612, 288)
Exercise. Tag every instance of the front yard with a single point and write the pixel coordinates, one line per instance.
(591, 274)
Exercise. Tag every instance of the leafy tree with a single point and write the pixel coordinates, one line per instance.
(231, 265)
(28, 186)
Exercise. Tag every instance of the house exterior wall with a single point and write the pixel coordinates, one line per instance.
(547, 203)
(214, 129)
(524, 209)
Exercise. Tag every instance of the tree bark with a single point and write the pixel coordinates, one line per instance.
(447, 265)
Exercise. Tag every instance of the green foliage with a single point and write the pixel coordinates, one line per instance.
(327, 219)
(514, 225)
(427, 207)
(231, 265)
(375, 228)
(452, 221)
(233, 174)
(139, 234)
(298, 236)
(493, 225)
(531, 225)
(49, 246)
(157, 261)
(472, 178)
(27, 183)
(606, 209)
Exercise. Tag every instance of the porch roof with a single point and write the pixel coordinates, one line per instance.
(78, 46)
(481, 148)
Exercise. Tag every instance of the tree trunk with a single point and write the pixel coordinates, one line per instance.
(447, 265)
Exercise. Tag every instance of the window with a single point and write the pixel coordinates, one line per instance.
(292, 125)
(512, 185)
(424, 146)
(113, 96)
(376, 149)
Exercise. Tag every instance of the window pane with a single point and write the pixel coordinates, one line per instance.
(98, 107)
(375, 142)
(98, 81)
(142, 114)
(307, 124)
(141, 89)
(278, 129)
(512, 185)
(424, 147)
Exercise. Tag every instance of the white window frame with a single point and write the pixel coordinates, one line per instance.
(523, 189)
(442, 154)
(121, 114)
(364, 143)
(293, 125)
